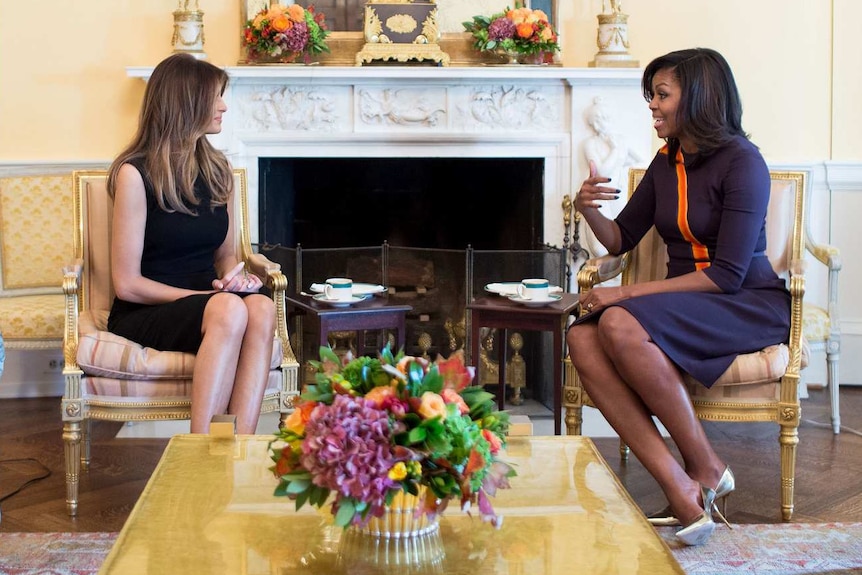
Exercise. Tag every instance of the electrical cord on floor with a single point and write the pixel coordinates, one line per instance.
(46, 472)
(829, 426)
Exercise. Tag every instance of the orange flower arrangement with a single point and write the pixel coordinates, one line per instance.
(519, 30)
(371, 428)
(285, 32)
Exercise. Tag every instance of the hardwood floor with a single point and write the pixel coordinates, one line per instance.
(828, 484)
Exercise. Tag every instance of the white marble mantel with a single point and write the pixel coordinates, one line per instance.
(386, 111)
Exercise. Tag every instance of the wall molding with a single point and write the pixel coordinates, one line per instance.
(46, 168)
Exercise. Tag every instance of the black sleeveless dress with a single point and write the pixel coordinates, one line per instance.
(179, 251)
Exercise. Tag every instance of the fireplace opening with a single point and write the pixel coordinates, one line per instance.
(444, 203)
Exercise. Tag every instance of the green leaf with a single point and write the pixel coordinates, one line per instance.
(302, 498)
(386, 356)
(416, 435)
(346, 511)
(298, 486)
(326, 353)
(281, 489)
(297, 475)
(415, 375)
(432, 381)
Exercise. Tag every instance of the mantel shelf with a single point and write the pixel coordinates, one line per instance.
(462, 74)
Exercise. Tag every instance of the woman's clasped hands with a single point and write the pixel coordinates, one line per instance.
(238, 280)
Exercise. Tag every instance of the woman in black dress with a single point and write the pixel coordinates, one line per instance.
(706, 192)
(178, 281)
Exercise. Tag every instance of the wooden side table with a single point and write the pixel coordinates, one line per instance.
(374, 313)
(503, 314)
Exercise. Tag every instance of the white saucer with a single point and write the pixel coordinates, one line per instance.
(359, 289)
(535, 302)
(338, 302)
(511, 288)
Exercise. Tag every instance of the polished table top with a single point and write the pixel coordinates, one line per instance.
(209, 508)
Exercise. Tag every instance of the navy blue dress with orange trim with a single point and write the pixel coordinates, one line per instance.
(711, 212)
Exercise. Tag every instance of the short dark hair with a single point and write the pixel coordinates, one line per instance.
(710, 110)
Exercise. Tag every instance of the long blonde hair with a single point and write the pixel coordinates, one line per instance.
(171, 139)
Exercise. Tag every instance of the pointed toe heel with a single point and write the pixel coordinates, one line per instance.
(698, 532)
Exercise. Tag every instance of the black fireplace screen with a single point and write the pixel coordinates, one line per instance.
(438, 284)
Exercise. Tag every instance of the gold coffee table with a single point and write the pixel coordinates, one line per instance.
(209, 508)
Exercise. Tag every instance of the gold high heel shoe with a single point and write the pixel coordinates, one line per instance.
(699, 530)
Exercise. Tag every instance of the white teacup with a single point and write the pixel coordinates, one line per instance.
(339, 289)
(534, 289)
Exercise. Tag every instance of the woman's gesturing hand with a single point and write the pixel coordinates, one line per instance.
(592, 192)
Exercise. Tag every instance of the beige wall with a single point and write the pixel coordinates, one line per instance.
(64, 94)
(847, 99)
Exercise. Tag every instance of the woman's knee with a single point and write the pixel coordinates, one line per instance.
(225, 311)
(618, 329)
(261, 312)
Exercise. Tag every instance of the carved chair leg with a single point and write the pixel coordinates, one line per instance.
(572, 399)
(833, 352)
(788, 439)
(72, 450)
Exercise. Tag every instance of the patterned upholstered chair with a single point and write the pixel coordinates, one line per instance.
(760, 386)
(108, 377)
(35, 220)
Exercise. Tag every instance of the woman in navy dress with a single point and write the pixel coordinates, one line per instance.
(706, 191)
(178, 281)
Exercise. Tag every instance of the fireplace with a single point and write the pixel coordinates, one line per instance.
(446, 203)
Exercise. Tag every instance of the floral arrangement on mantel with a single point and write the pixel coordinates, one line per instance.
(516, 32)
(370, 429)
(284, 33)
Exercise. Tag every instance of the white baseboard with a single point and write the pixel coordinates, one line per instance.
(32, 373)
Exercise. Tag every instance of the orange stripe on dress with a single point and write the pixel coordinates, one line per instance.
(698, 250)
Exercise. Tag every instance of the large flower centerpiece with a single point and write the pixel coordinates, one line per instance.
(373, 429)
(520, 34)
(284, 33)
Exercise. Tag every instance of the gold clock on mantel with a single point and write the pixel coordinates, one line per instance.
(401, 30)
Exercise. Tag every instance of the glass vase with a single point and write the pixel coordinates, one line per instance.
(512, 58)
(401, 519)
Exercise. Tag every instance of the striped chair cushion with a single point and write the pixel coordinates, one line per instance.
(752, 376)
(133, 390)
(102, 353)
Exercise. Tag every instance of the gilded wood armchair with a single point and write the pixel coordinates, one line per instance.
(760, 386)
(108, 377)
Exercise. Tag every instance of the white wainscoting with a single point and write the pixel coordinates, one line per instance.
(844, 180)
